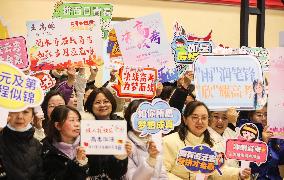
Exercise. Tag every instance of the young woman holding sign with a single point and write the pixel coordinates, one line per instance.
(143, 162)
(101, 105)
(193, 131)
(63, 157)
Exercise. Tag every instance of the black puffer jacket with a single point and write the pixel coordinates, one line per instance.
(20, 155)
(105, 167)
(57, 166)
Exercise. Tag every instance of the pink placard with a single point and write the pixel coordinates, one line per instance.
(14, 51)
(275, 109)
(246, 151)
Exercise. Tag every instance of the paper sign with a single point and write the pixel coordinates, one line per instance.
(247, 147)
(200, 159)
(18, 91)
(75, 10)
(276, 95)
(104, 137)
(260, 53)
(14, 51)
(56, 44)
(246, 151)
(143, 42)
(46, 81)
(229, 81)
(136, 82)
(151, 118)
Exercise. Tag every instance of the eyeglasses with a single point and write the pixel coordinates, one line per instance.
(104, 102)
(196, 118)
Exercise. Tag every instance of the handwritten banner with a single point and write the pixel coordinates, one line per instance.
(276, 95)
(151, 118)
(226, 81)
(75, 10)
(136, 82)
(56, 44)
(200, 159)
(14, 51)
(105, 137)
(18, 91)
(143, 42)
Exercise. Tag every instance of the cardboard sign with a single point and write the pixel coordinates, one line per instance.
(143, 43)
(75, 10)
(14, 51)
(247, 147)
(46, 81)
(187, 47)
(246, 151)
(186, 52)
(276, 95)
(136, 82)
(18, 91)
(104, 137)
(56, 44)
(200, 159)
(151, 118)
(229, 81)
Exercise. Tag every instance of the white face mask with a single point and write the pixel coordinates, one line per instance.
(20, 130)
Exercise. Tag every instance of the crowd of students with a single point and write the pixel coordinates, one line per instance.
(34, 148)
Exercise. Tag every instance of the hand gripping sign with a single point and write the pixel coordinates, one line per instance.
(247, 147)
(150, 118)
(18, 91)
(200, 159)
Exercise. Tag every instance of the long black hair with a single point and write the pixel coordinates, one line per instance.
(59, 114)
(183, 130)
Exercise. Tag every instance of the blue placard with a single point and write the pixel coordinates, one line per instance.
(200, 159)
(150, 118)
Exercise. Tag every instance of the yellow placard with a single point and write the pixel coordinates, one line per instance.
(18, 91)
